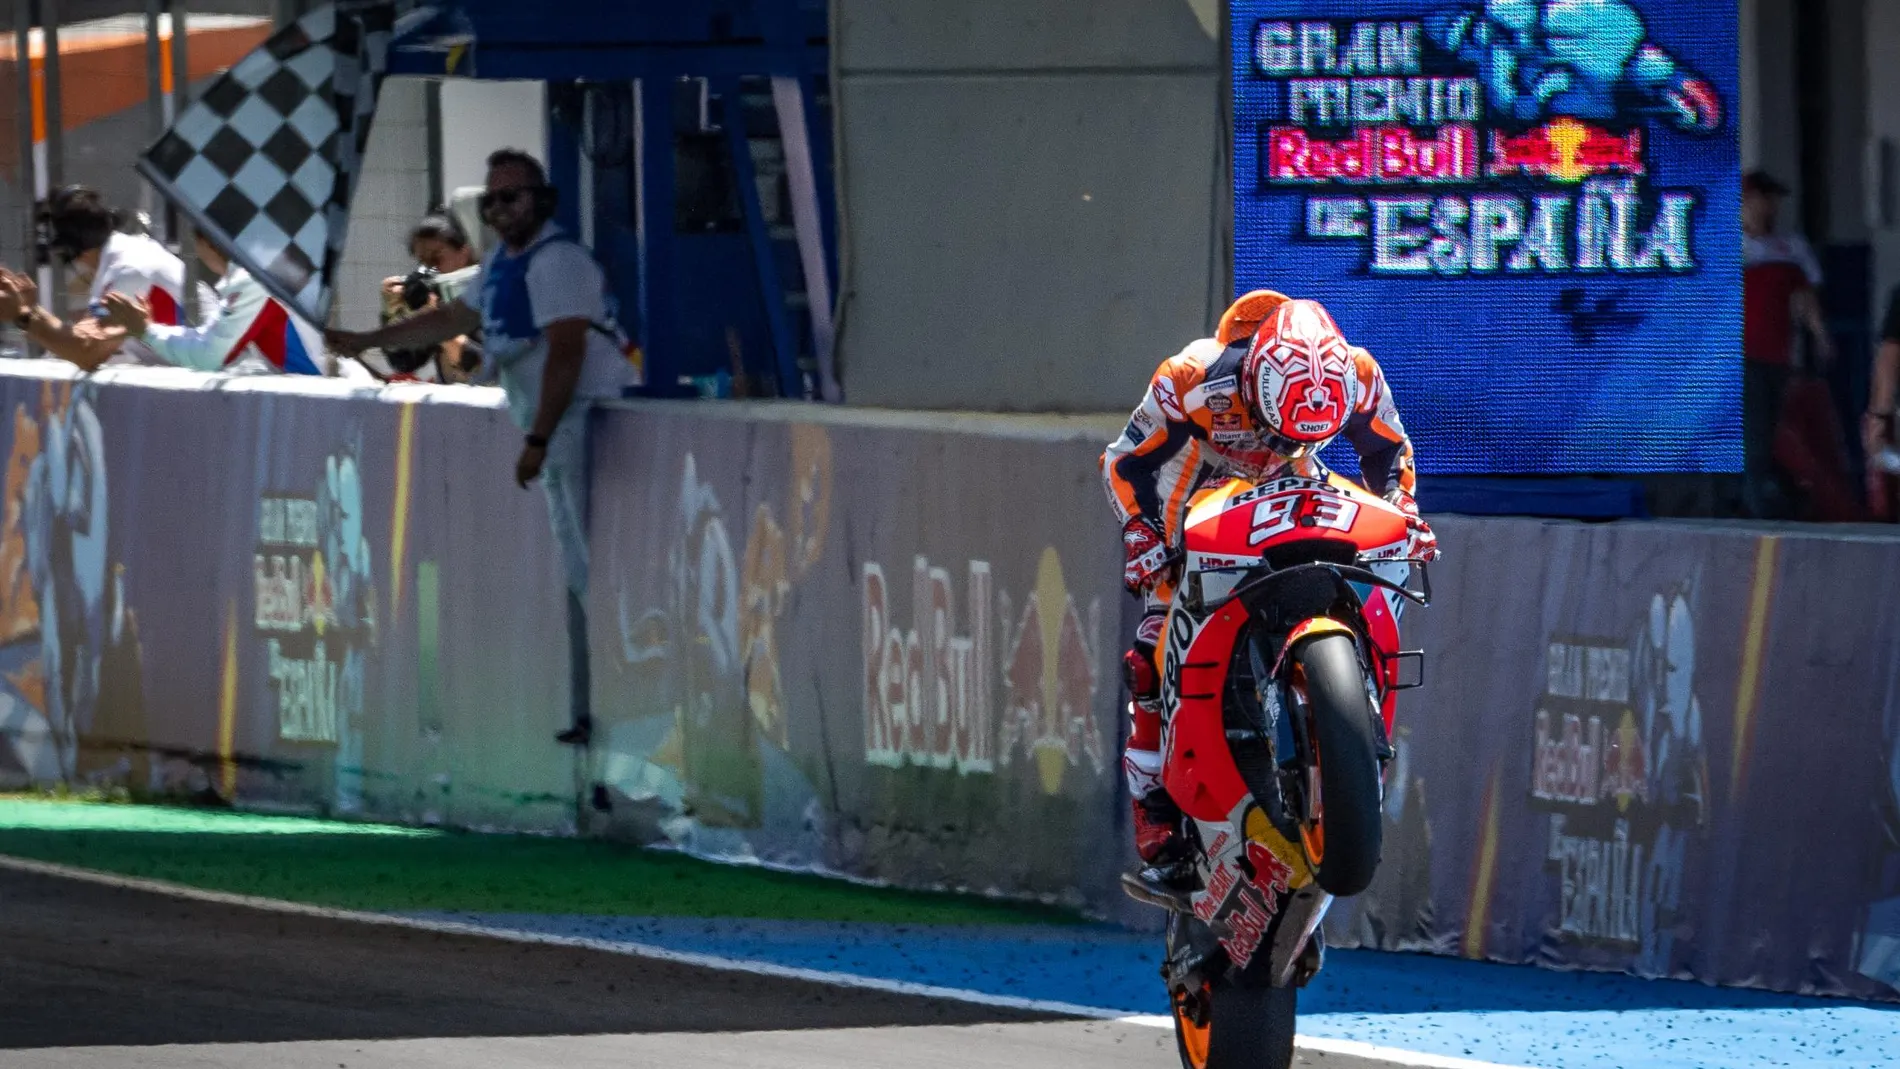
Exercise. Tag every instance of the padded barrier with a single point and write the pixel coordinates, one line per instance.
(883, 645)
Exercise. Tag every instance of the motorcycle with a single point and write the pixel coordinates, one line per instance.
(1280, 669)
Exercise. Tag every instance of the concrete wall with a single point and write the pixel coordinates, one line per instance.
(1882, 48)
(1026, 187)
(1773, 138)
(1849, 102)
(480, 117)
(391, 195)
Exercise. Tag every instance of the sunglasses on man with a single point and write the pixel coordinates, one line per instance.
(509, 197)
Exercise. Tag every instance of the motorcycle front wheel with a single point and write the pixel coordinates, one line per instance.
(1344, 844)
(1237, 1027)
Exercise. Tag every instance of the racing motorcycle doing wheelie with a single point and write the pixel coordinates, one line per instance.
(1279, 671)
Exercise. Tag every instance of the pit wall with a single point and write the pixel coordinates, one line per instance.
(884, 645)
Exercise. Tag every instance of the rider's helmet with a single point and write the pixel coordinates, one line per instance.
(1245, 315)
(1297, 380)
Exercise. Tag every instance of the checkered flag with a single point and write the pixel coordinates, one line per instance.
(266, 161)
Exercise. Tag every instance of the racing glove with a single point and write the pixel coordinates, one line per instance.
(1424, 542)
(1146, 554)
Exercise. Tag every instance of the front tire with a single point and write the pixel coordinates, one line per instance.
(1242, 1028)
(1345, 843)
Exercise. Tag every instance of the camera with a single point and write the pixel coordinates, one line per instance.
(418, 286)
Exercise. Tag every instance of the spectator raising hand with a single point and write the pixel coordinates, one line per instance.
(127, 313)
(17, 293)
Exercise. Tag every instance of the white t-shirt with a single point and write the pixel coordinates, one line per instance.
(1758, 249)
(137, 266)
(563, 282)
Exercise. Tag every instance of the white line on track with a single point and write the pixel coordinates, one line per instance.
(1318, 1045)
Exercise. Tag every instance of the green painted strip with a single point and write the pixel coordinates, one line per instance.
(378, 867)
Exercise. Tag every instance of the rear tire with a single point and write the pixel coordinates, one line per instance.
(1340, 729)
(1247, 1028)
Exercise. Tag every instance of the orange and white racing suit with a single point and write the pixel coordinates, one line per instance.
(1192, 428)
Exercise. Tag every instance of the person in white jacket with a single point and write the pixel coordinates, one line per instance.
(89, 237)
(249, 331)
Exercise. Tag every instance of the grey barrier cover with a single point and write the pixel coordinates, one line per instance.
(307, 600)
(884, 652)
(1655, 748)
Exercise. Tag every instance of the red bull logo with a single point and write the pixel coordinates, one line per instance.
(1270, 874)
(1049, 679)
(1373, 154)
(1567, 150)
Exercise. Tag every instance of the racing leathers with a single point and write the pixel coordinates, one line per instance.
(1193, 427)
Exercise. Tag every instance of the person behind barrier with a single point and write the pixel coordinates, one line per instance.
(247, 331)
(1781, 282)
(446, 266)
(541, 304)
(1260, 399)
(77, 226)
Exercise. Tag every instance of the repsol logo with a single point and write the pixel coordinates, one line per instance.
(1180, 637)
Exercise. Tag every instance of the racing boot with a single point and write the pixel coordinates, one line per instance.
(1165, 858)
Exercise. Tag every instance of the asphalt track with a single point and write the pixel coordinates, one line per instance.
(97, 976)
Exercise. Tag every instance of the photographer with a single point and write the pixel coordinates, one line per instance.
(446, 265)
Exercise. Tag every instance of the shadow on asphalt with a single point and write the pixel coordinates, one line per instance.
(87, 965)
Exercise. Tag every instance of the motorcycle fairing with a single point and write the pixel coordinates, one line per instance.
(1251, 874)
(1235, 520)
(1197, 767)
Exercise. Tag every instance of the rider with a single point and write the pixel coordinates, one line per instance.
(1262, 397)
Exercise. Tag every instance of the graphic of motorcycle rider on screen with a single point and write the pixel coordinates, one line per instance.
(1590, 59)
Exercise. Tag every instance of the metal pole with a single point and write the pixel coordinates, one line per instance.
(55, 297)
(788, 97)
(154, 106)
(587, 165)
(432, 102)
(181, 99)
(26, 177)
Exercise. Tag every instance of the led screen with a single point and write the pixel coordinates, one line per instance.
(1528, 211)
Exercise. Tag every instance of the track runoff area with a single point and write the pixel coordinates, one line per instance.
(109, 970)
(105, 970)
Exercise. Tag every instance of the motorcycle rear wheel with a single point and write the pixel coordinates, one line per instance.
(1345, 844)
(1242, 1028)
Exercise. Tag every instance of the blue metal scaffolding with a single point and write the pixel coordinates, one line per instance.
(697, 135)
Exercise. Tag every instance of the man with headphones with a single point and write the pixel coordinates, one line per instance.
(541, 304)
(76, 225)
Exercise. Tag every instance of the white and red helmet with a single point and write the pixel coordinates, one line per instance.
(1297, 380)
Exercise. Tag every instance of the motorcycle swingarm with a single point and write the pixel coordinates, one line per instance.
(1193, 954)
